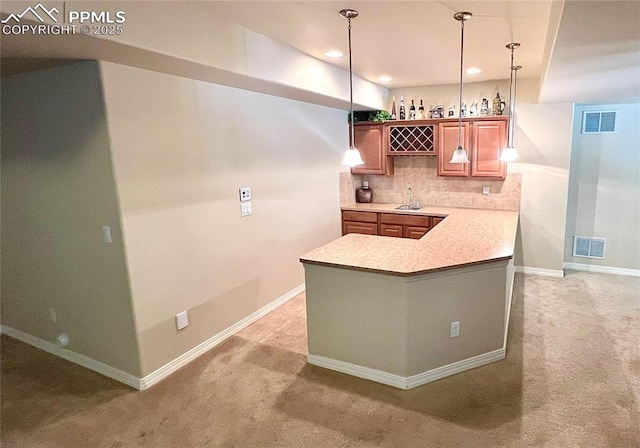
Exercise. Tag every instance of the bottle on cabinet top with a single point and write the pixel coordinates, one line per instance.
(412, 111)
(403, 114)
(393, 109)
(421, 115)
(484, 107)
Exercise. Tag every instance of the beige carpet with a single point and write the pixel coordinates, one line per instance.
(571, 379)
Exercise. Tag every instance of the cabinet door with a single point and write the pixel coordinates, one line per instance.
(367, 228)
(391, 230)
(435, 220)
(489, 139)
(447, 143)
(415, 232)
(369, 140)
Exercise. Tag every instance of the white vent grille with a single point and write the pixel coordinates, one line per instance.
(589, 247)
(597, 122)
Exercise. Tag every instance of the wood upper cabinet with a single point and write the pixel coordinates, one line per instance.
(447, 143)
(483, 140)
(370, 140)
(489, 139)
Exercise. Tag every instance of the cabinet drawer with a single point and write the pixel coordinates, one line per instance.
(348, 215)
(404, 220)
(367, 228)
(391, 230)
(415, 232)
(435, 220)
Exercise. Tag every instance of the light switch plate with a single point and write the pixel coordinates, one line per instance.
(182, 320)
(245, 194)
(485, 189)
(106, 234)
(245, 208)
(455, 329)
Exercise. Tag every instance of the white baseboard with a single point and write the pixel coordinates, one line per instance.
(74, 357)
(192, 354)
(540, 271)
(162, 372)
(602, 269)
(402, 382)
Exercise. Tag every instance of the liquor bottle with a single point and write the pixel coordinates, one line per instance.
(412, 111)
(403, 115)
(393, 109)
(421, 115)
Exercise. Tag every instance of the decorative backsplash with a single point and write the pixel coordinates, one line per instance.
(420, 173)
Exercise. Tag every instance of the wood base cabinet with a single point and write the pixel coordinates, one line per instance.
(483, 140)
(388, 224)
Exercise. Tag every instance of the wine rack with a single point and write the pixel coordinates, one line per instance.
(412, 140)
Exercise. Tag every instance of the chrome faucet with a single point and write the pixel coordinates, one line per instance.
(410, 193)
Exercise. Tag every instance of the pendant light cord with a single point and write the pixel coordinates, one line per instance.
(353, 143)
(512, 106)
(461, 65)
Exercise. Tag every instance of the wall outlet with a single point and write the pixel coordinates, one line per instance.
(182, 320)
(455, 329)
(245, 209)
(485, 190)
(52, 315)
(245, 194)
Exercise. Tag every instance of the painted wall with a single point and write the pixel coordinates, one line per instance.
(543, 139)
(58, 191)
(181, 149)
(604, 188)
(196, 40)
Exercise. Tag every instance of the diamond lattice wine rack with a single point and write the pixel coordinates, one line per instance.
(412, 139)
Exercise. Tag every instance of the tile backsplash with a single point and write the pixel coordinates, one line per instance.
(420, 173)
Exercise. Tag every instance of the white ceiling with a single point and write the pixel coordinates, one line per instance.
(584, 51)
(415, 42)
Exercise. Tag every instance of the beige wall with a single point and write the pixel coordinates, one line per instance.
(57, 193)
(401, 325)
(181, 149)
(604, 188)
(543, 139)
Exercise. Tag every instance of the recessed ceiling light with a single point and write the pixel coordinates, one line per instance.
(385, 79)
(333, 54)
(473, 71)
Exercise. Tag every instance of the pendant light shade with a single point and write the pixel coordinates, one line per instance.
(352, 156)
(510, 154)
(459, 154)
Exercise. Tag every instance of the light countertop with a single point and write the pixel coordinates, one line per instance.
(465, 237)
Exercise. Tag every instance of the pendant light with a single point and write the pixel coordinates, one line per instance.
(352, 156)
(460, 155)
(510, 154)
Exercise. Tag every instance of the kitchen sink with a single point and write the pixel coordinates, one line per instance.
(408, 207)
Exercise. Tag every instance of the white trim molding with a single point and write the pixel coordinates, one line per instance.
(167, 369)
(602, 269)
(402, 382)
(207, 345)
(77, 358)
(540, 271)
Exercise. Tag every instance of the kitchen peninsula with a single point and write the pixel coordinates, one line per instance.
(387, 309)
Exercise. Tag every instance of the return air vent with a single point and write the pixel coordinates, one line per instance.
(597, 122)
(584, 246)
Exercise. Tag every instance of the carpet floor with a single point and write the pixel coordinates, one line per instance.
(571, 379)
